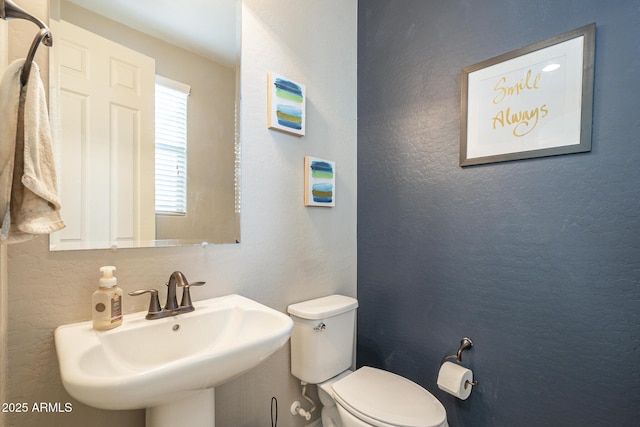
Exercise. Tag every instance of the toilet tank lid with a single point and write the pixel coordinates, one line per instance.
(321, 308)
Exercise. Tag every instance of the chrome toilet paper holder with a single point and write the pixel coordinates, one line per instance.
(465, 344)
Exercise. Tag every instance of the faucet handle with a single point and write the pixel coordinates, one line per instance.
(154, 302)
(186, 295)
(187, 285)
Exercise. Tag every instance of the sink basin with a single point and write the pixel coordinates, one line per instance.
(146, 363)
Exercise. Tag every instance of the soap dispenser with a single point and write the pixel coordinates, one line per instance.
(107, 301)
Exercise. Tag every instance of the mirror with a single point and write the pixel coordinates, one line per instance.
(105, 131)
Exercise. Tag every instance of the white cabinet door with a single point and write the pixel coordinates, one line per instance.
(105, 141)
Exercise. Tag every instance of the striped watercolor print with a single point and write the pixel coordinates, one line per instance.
(319, 182)
(286, 105)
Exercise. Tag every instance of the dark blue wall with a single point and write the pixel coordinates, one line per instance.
(537, 261)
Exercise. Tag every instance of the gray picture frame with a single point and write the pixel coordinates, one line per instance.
(477, 109)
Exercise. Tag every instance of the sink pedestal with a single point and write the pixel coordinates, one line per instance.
(195, 410)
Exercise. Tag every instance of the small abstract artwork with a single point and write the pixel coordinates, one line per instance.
(286, 104)
(319, 182)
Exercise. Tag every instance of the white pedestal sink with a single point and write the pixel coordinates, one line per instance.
(169, 366)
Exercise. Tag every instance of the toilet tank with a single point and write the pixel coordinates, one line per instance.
(323, 337)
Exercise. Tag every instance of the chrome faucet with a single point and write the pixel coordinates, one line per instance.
(171, 308)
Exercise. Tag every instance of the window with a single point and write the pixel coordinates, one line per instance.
(171, 146)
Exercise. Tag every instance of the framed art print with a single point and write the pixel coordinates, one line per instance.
(533, 102)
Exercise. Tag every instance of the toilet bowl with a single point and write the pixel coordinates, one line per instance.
(322, 352)
(330, 414)
(373, 397)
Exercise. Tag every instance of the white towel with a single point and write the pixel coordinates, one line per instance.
(29, 203)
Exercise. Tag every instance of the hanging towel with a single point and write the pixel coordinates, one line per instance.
(29, 203)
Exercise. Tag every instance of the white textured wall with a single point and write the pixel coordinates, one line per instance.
(288, 252)
(4, 46)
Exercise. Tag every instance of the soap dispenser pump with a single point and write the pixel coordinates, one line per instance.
(107, 301)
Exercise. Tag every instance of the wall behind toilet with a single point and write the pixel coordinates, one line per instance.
(288, 253)
(537, 261)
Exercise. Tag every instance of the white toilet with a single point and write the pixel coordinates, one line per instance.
(322, 354)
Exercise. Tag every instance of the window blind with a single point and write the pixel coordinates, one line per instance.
(171, 146)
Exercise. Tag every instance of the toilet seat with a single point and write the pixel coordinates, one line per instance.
(384, 399)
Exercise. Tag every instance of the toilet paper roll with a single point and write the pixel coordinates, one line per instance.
(452, 379)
